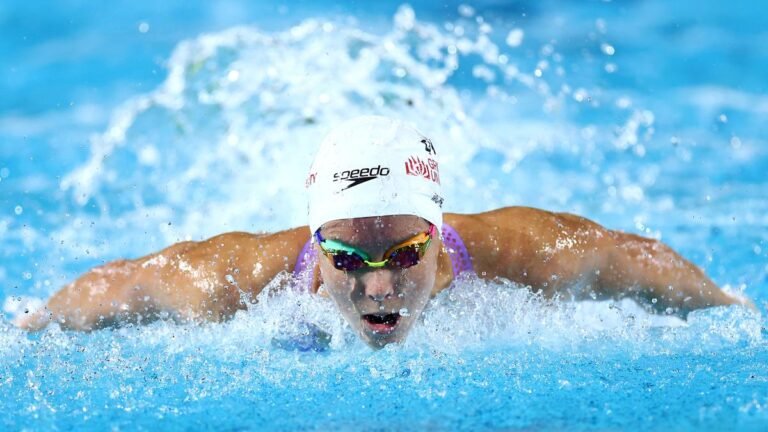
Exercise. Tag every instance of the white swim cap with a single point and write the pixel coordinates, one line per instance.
(374, 166)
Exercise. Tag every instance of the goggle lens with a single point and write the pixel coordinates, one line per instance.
(346, 261)
(404, 257)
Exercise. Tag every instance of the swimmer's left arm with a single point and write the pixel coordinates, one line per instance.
(564, 254)
(652, 273)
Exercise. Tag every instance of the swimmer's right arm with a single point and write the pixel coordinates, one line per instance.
(189, 281)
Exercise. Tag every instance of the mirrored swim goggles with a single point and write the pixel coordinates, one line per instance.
(399, 256)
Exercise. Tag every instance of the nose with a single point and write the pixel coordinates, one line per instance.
(379, 285)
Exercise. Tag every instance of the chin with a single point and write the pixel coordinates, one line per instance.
(378, 341)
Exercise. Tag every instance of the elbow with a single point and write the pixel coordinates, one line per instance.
(33, 321)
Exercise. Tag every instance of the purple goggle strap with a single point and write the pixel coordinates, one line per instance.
(454, 245)
(306, 259)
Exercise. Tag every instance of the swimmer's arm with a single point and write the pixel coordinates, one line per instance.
(117, 292)
(98, 298)
(198, 281)
(653, 274)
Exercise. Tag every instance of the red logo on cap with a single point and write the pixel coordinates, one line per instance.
(429, 170)
(310, 179)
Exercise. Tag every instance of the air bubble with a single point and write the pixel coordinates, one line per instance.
(18, 210)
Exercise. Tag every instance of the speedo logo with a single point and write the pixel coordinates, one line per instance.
(360, 176)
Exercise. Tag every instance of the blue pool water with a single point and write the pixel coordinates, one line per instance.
(129, 126)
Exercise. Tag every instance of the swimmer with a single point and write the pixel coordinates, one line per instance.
(380, 246)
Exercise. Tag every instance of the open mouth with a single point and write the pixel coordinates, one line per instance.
(382, 323)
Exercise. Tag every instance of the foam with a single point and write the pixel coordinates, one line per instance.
(473, 315)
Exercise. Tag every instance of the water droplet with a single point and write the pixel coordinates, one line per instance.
(404, 312)
(405, 18)
(607, 49)
(466, 11)
(624, 102)
(580, 95)
(600, 25)
(515, 37)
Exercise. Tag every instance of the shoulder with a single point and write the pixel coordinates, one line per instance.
(232, 247)
(526, 244)
(527, 221)
(245, 241)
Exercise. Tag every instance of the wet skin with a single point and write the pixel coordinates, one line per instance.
(555, 254)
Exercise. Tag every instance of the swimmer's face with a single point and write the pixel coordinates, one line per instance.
(381, 304)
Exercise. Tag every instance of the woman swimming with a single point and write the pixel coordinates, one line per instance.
(381, 246)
